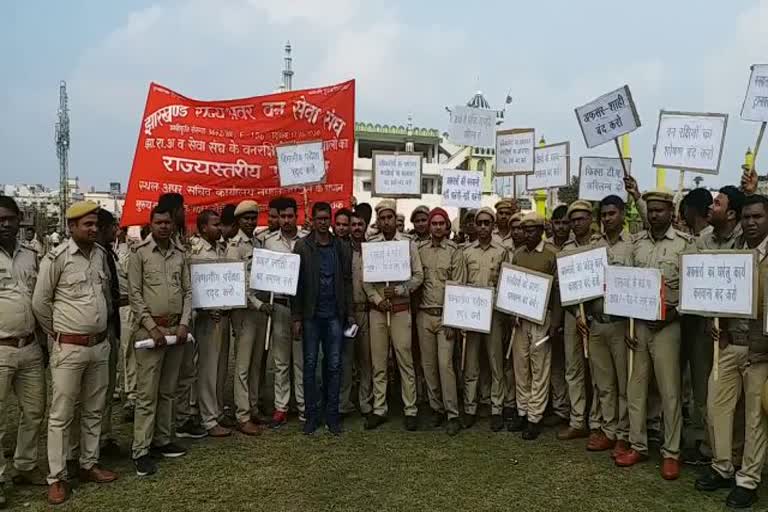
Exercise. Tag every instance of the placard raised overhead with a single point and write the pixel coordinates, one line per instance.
(755, 107)
(601, 177)
(551, 168)
(719, 283)
(300, 164)
(218, 285)
(524, 293)
(470, 126)
(396, 174)
(608, 117)
(581, 275)
(276, 272)
(462, 189)
(633, 292)
(386, 262)
(690, 141)
(468, 307)
(515, 151)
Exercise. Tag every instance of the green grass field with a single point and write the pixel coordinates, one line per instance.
(389, 469)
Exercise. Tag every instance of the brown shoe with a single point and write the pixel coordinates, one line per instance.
(219, 431)
(570, 433)
(58, 492)
(249, 428)
(32, 477)
(97, 474)
(619, 449)
(670, 469)
(630, 458)
(599, 442)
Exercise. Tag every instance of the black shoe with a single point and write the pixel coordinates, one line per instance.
(469, 420)
(334, 428)
(516, 423)
(454, 426)
(145, 466)
(497, 423)
(111, 449)
(741, 497)
(508, 413)
(309, 427)
(532, 431)
(191, 431)
(168, 451)
(373, 421)
(712, 481)
(411, 423)
(436, 420)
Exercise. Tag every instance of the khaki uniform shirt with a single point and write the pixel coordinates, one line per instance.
(483, 264)
(202, 250)
(619, 254)
(664, 254)
(240, 248)
(403, 289)
(159, 284)
(543, 258)
(18, 273)
(505, 241)
(358, 291)
(441, 263)
(710, 242)
(72, 294)
(278, 242)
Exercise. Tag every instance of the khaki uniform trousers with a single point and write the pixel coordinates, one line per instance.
(128, 353)
(532, 369)
(576, 367)
(157, 372)
(358, 354)
(510, 392)
(659, 350)
(608, 355)
(558, 387)
(399, 333)
(21, 372)
(737, 375)
(250, 328)
(213, 359)
(186, 389)
(106, 418)
(437, 362)
(288, 354)
(494, 348)
(79, 375)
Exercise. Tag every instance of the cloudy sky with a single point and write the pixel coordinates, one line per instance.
(408, 57)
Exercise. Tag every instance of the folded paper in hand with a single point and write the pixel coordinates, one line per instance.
(170, 340)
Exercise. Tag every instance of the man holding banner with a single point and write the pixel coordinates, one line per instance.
(442, 261)
(390, 319)
(657, 344)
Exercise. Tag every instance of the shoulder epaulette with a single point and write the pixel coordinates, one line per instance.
(642, 235)
(57, 251)
(450, 243)
(31, 249)
(685, 236)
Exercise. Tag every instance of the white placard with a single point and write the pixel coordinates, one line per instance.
(690, 141)
(755, 107)
(608, 117)
(396, 174)
(514, 152)
(300, 164)
(601, 177)
(219, 285)
(386, 262)
(276, 272)
(633, 292)
(468, 307)
(581, 275)
(462, 189)
(552, 167)
(719, 283)
(474, 127)
(524, 293)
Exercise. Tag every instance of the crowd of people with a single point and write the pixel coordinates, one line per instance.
(340, 343)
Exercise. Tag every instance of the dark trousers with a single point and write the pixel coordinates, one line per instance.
(328, 333)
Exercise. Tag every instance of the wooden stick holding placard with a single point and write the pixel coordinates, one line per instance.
(584, 340)
(511, 339)
(621, 157)
(716, 354)
(269, 322)
(389, 315)
(631, 350)
(757, 144)
(463, 349)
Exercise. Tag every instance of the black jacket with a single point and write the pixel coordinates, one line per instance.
(303, 304)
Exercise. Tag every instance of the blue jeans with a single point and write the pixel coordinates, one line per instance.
(328, 332)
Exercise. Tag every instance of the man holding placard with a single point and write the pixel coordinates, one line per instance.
(390, 319)
(249, 325)
(285, 347)
(532, 359)
(483, 262)
(442, 261)
(742, 365)
(657, 344)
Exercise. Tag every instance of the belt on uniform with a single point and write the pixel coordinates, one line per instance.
(283, 301)
(399, 308)
(432, 311)
(360, 307)
(17, 342)
(84, 340)
(165, 321)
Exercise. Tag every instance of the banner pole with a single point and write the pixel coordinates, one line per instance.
(269, 322)
(757, 144)
(621, 157)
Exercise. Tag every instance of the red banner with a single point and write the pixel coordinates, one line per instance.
(219, 152)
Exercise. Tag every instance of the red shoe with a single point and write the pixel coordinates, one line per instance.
(670, 469)
(619, 449)
(599, 442)
(630, 458)
(279, 418)
(58, 492)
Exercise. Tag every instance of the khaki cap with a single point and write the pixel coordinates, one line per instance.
(81, 209)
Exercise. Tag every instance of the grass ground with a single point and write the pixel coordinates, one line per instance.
(386, 470)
